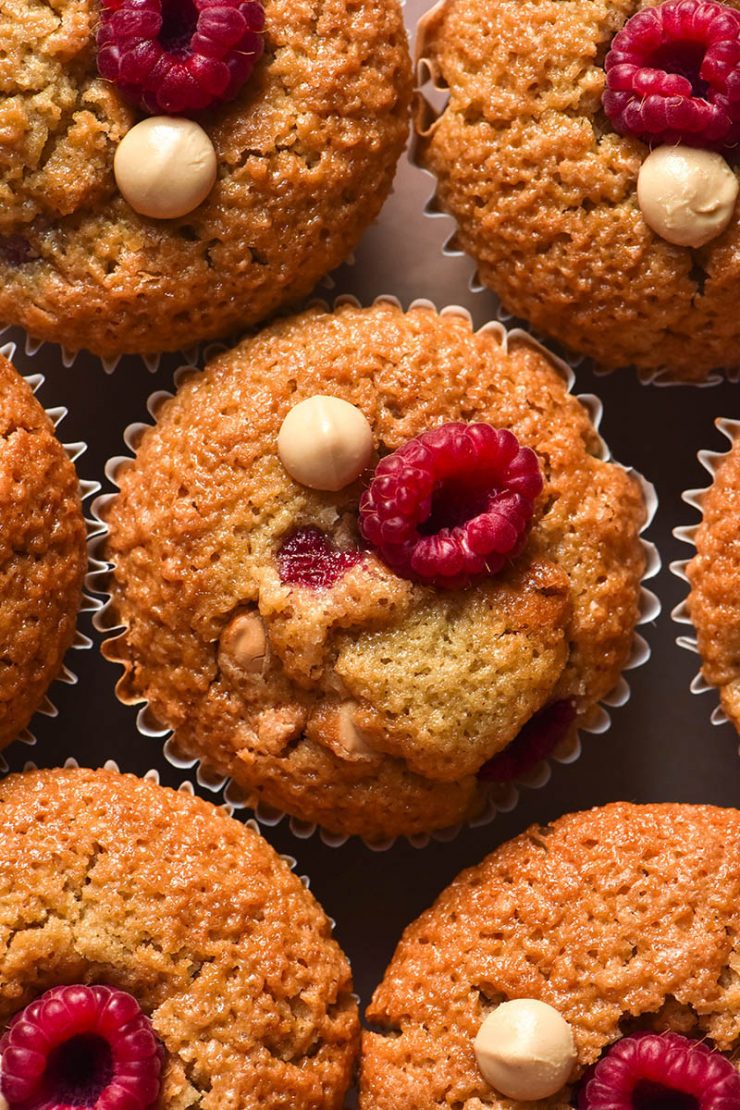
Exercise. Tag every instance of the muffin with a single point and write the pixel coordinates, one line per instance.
(610, 937)
(112, 885)
(620, 242)
(305, 152)
(372, 687)
(713, 604)
(43, 554)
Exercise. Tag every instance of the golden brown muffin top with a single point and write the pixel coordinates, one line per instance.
(440, 680)
(714, 574)
(106, 878)
(306, 156)
(42, 553)
(621, 918)
(545, 192)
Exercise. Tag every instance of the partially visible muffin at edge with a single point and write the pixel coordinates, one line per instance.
(714, 575)
(109, 879)
(306, 157)
(544, 191)
(43, 553)
(438, 681)
(622, 918)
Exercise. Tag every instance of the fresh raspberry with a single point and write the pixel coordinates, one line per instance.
(673, 75)
(661, 1071)
(309, 558)
(176, 56)
(537, 740)
(81, 1047)
(452, 505)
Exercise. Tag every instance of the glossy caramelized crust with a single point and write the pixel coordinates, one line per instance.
(714, 574)
(545, 192)
(621, 918)
(440, 680)
(42, 553)
(106, 878)
(306, 157)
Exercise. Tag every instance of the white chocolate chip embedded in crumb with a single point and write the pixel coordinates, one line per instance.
(525, 1050)
(686, 195)
(165, 167)
(325, 443)
(352, 738)
(244, 641)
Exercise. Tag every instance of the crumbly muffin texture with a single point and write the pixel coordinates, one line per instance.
(306, 156)
(42, 553)
(714, 574)
(545, 192)
(621, 918)
(439, 681)
(110, 879)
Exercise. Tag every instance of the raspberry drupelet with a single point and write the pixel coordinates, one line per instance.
(452, 505)
(661, 1071)
(79, 1046)
(179, 56)
(673, 75)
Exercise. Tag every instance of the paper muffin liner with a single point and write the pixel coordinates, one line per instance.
(501, 797)
(88, 604)
(686, 533)
(432, 96)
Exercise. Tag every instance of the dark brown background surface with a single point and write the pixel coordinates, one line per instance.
(661, 746)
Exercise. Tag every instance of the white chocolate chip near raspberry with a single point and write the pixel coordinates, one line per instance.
(325, 443)
(352, 738)
(525, 1050)
(686, 195)
(244, 641)
(165, 167)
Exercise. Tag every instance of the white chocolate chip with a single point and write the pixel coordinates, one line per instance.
(525, 1050)
(687, 196)
(352, 738)
(165, 167)
(244, 641)
(325, 443)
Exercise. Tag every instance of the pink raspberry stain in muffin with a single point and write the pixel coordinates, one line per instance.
(453, 505)
(179, 56)
(79, 1046)
(673, 75)
(307, 557)
(661, 1071)
(536, 741)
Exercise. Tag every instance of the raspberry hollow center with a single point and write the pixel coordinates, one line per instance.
(179, 21)
(80, 1070)
(654, 1096)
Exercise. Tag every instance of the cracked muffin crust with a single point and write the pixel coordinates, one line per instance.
(306, 156)
(621, 918)
(544, 191)
(110, 879)
(43, 554)
(714, 575)
(370, 704)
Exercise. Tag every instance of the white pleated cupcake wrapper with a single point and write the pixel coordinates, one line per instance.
(502, 798)
(710, 460)
(88, 604)
(435, 96)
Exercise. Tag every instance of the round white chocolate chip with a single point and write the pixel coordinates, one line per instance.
(165, 167)
(687, 196)
(525, 1050)
(244, 640)
(325, 443)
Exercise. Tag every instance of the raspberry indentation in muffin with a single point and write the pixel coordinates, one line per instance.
(81, 1046)
(307, 557)
(661, 1071)
(535, 742)
(452, 505)
(179, 56)
(673, 75)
